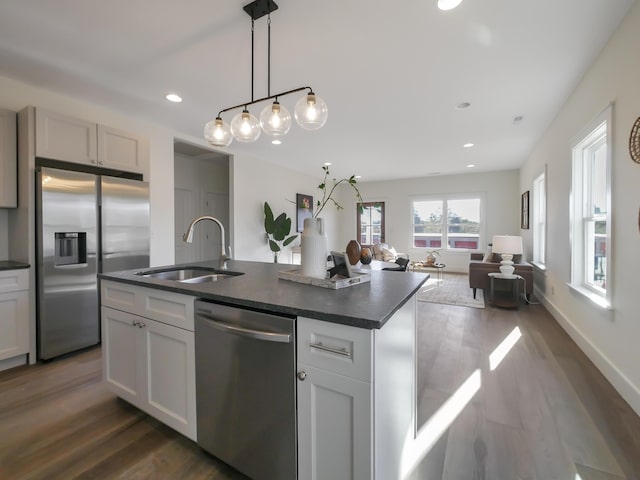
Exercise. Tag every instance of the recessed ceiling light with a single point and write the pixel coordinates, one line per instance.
(468, 145)
(358, 176)
(173, 97)
(448, 4)
(276, 142)
(471, 165)
(327, 164)
(463, 105)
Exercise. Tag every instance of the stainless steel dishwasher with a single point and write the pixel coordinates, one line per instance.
(245, 389)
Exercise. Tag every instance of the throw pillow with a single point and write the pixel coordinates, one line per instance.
(488, 255)
(389, 254)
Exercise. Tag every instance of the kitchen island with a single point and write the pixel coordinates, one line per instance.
(355, 394)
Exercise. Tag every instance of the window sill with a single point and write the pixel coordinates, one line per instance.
(539, 266)
(596, 299)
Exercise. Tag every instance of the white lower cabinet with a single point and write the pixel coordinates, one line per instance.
(334, 426)
(14, 313)
(151, 365)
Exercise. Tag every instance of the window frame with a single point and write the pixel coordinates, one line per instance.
(539, 204)
(445, 198)
(598, 132)
(359, 206)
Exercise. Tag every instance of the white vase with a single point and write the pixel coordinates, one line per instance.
(313, 247)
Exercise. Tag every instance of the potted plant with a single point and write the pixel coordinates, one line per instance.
(277, 230)
(431, 256)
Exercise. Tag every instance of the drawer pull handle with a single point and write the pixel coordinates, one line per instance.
(337, 351)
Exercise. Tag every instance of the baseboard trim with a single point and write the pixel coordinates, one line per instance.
(620, 382)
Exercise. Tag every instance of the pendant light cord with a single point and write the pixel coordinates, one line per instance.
(252, 28)
(269, 55)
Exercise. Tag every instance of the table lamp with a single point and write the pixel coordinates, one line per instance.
(507, 246)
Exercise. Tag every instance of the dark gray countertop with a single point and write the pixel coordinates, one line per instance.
(11, 265)
(367, 305)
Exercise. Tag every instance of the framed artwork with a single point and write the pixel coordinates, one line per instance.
(304, 209)
(524, 218)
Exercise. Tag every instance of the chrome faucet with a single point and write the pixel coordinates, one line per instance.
(188, 237)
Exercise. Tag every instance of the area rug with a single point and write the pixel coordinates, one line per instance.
(453, 289)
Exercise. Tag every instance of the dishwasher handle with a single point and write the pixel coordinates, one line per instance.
(246, 332)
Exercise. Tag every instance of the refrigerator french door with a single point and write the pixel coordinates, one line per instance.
(85, 224)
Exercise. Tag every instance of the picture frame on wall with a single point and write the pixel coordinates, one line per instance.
(524, 217)
(304, 209)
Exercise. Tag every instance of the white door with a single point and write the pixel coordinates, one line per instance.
(334, 426)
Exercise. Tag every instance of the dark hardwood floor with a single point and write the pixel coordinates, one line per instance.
(543, 413)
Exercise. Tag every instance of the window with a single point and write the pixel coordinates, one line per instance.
(370, 217)
(591, 212)
(539, 219)
(458, 229)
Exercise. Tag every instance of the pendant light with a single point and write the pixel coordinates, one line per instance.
(245, 127)
(275, 120)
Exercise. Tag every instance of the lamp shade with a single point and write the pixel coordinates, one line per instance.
(275, 120)
(245, 127)
(311, 112)
(510, 244)
(218, 133)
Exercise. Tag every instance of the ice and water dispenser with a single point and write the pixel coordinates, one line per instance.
(71, 248)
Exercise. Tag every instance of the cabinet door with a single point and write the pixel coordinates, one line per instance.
(169, 359)
(14, 324)
(60, 137)
(121, 349)
(8, 160)
(122, 150)
(334, 426)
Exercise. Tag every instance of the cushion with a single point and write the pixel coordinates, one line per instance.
(487, 256)
(389, 254)
(377, 250)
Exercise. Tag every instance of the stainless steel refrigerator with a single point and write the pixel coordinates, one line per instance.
(85, 224)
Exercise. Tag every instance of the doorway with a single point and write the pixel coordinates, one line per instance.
(201, 187)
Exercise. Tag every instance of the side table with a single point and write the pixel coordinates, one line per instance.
(504, 290)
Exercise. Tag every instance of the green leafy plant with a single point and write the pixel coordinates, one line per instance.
(277, 230)
(327, 193)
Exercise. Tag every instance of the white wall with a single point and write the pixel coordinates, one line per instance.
(609, 337)
(255, 181)
(500, 191)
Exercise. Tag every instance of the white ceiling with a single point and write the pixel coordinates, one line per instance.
(391, 72)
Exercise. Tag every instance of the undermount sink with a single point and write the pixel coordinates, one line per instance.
(189, 274)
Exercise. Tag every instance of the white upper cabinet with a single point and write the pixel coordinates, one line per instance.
(121, 150)
(8, 160)
(60, 137)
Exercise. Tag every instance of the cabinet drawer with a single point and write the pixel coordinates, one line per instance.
(166, 307)
(14, 280)
(338, 348)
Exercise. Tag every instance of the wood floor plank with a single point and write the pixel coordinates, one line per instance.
(544, 413)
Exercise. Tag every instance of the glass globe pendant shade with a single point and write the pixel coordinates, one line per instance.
(218, 133)
(311, 112)
(275, 120)
(245, 127)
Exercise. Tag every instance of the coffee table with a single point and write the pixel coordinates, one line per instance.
(423, 267)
